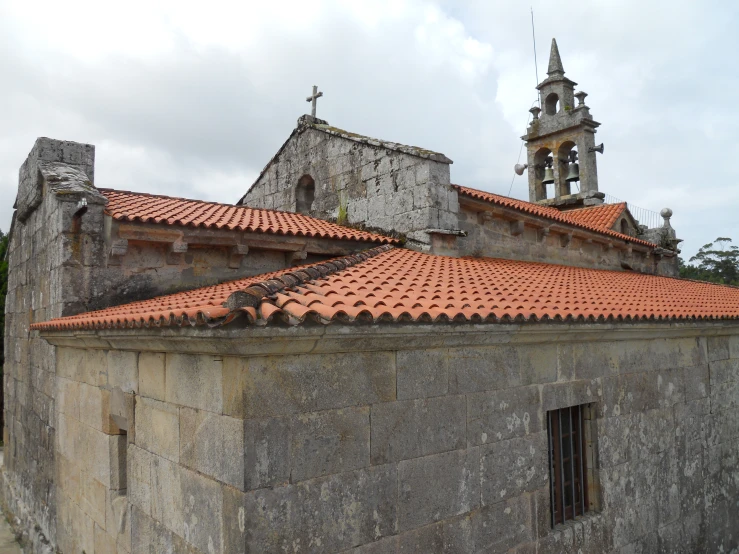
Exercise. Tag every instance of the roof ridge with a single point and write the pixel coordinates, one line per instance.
(257, 292)
(212, 203)
(599, 206)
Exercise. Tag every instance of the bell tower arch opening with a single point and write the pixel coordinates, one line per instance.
(543, 173)
(305, 194)
(569, 168)
(551, 104)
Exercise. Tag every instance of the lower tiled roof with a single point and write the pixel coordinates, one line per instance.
(578, 220)
(387, 284)
(150, 208)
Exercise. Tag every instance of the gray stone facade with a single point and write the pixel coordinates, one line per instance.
(499, 232)
(419, 441)
(360, 181)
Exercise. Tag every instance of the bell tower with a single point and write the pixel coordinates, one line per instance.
(560, 143)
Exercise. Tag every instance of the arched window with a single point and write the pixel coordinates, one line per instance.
(304, 194)
(551, 104)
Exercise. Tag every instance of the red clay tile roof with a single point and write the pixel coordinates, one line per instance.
(387, 284)
(150, 208)
(547, 212)
(603, 216)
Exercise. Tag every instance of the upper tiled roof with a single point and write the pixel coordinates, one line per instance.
(389, 284)
(549, 213)
(603, 216)
(150, 208)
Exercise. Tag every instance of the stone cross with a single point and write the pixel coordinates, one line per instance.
(312, 98)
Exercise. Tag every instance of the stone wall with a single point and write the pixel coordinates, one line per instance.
(496, 236)
(435, 446)
(374, 185)
(51, 249)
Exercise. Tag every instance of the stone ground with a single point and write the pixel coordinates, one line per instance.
(8, 545)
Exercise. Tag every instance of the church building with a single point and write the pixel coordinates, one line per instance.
(362, 356)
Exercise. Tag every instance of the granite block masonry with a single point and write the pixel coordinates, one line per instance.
(268, 458)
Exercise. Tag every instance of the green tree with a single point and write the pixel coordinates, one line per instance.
(716, 262)
(3, 292)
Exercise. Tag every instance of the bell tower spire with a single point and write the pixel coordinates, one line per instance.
(555, 62)
(560, 143)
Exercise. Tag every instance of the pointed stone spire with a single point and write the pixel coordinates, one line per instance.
(555, 62)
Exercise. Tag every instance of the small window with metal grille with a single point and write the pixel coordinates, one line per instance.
(570, 449)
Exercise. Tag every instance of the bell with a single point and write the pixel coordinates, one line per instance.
(548, 176)
(573, 172)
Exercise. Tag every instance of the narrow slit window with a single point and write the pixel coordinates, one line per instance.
(568, 471)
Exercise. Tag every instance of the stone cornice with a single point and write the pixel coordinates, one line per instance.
(238, 340)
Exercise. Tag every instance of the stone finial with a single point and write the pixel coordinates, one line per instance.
(581, 97)
(555, 62)
(535, 111)
(666, 214)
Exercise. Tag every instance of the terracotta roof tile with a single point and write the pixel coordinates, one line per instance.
(549, 213)
(603, 216)
(387, 284)
(150, 208)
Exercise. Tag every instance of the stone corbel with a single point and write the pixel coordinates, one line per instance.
(176, 250)
(542, 234)
(484, 217)
(293, 258)
(236, 255)
(565, 240)
(118, 249)
(517, 228)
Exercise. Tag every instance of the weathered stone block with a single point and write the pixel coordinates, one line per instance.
(327, 514)
(484, 368)
(103, 541)
(718, 348)
(539, 363)
(456, 487)
(95, 368)
(151, 375)
(422, 373)
(428, 540)
(213, 445)
(500, 415)
(495, 528)
(413, 428)
(195, 381)
(68, 397)
(723, 371)
(147, 535)
(697, 381)
(329, 442)
(93, 499)
(139, 477)
(515, 466)
(167, 502)
(158, 428)
(202, 512)
(265, 387)
(555, 396)
(123, 370)
(613, 440)
(70, 363)
(266, 452)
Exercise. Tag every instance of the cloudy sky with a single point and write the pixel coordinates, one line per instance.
(192, 99)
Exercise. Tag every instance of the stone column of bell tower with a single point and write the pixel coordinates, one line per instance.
(558, 128)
